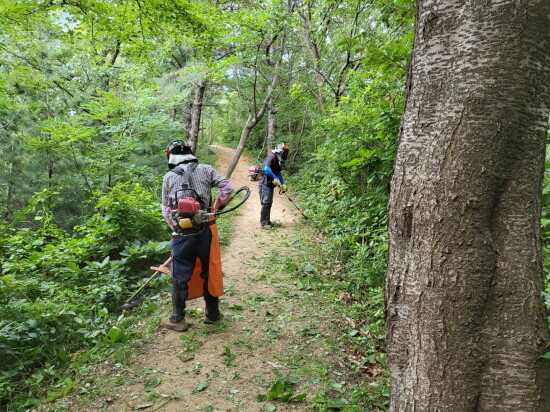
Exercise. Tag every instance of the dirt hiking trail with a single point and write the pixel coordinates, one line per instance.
(269, 340)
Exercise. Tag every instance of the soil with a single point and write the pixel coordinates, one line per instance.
(271, 332)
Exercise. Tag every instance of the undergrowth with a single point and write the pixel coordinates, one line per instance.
(358, 379)
(61, 291)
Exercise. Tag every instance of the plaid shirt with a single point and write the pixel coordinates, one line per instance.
(202, 179)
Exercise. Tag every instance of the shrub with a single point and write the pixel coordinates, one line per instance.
(59, 291)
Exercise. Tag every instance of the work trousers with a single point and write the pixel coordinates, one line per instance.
(266, 198)
(185, 252)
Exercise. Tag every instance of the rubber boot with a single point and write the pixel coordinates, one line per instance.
(265, 215)
(212, 312)
(176, 321)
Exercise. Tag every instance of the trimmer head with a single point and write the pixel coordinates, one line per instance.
(129, 305)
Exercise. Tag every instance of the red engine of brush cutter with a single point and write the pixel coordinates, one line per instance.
(187, 216)
(254, 173)
(188, 205)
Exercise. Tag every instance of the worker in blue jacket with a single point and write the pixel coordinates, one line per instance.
(272, 177)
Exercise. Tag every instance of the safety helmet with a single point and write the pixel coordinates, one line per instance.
(178, 147)
(281, 150)
(179, 151)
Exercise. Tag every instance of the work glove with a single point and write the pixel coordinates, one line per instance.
(283, 189)
(276, 182)
(218, 204)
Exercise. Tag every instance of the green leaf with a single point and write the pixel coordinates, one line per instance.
(309, 268)
(338, 404)
(62, 355)
(151, 383)
(200, 387)
(300, 397)
(114, 335)
(73, 266)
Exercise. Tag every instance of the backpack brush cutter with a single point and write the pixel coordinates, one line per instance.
(190, 220)
(191, 216)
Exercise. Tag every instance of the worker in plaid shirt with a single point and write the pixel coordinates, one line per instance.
(196, 259)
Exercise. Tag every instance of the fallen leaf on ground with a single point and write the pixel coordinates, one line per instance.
(144, 406)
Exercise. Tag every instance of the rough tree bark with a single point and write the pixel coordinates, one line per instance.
(466, 321)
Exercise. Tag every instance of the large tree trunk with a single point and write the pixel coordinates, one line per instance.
(10, 189)
(195, 114)
(466, 321)
(271, 124)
